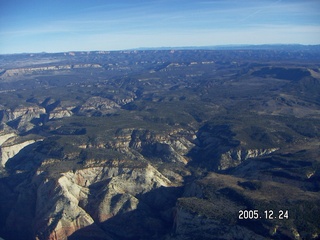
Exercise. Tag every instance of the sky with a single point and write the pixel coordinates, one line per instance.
(85, 25)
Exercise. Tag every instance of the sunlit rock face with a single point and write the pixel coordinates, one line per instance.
(21, 118)
(29, 113)
(235, 157)
(8, 151)
(59, 113)
(171, 146)
(18, 72)
(89, 197)
(160, 144)
(98, 106)
(5, 136)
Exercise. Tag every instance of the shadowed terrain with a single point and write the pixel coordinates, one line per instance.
(160, 144)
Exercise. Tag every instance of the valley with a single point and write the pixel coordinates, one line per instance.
(160, 144)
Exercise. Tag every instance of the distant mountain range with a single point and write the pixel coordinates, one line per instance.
(161, 144)
(278, 47)
(286, 47)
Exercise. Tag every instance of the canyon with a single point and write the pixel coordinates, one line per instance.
(160, 144)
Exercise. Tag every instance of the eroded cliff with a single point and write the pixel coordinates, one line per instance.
(159, 145)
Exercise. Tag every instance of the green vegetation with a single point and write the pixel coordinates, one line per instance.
(232, 129)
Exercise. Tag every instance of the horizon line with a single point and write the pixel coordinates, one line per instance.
(206, 47)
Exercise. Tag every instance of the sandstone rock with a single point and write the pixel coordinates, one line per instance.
(234, 157)
(98, 104)
(75, 201)
(10, 150)
(5, 137)
(170, 146)
(59, 112)
(29, 113)
(31, 70)
(21, 118)
(57, 209)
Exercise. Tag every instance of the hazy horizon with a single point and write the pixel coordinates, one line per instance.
(213, 47)
(36, 26)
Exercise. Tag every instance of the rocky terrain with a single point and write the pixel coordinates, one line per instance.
(160, 144)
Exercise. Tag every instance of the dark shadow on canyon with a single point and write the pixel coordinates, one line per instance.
(152, 219)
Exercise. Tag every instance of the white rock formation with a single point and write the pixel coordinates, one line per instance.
(25, 71)
(103, 105)
(69, 203)
(60, 113)
(29, 113)
(10, 151)
(234, 157)
(5, 137)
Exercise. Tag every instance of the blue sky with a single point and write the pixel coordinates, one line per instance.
(76, 25)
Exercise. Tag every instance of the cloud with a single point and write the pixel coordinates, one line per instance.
(35, 31)
(260, 10)
(124, 24)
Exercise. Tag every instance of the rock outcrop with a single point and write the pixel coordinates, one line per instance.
(10, 148)
(59, 112)
(98, 106)
(235, 157)
(163, 144)
(90, 197)
(4, 137)
(169, 146)
(27, 71)
(21, 118)
(217, 148)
